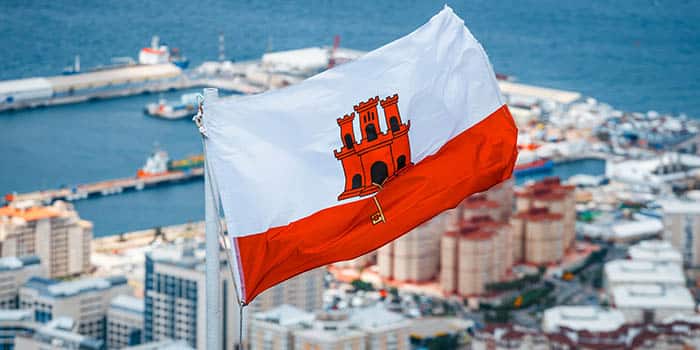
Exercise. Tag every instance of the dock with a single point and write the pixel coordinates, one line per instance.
(106, 188)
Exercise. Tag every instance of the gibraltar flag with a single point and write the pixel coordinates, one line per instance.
(352, 158)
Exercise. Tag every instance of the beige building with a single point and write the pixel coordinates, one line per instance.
(415, 256)
(474, 256)
(286, 327)
(14, 272)
(175, 295)
(58, 334)
(537, 236)
(557, 198)
(54, 233)
(682, 228)
(85, 301)
(124, 322)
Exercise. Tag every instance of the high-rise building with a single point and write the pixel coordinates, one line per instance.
(124, 322)
(415, 256)
(175, 295)
(473, 256)
(559, 199)
(14, 272)
(537, 236)
(85, 301)
(55, 233)
(682, 228)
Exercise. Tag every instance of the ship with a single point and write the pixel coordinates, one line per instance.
(186, 107)
(159, 164)
(529, 163)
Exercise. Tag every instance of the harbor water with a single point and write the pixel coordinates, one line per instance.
(635, 55)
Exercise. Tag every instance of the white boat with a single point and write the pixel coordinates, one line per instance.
(186, 107)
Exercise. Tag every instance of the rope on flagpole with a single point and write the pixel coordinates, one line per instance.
(213, 190)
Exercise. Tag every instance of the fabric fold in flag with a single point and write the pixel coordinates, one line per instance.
(352, 158)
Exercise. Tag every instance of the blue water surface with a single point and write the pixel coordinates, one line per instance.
(636, 55)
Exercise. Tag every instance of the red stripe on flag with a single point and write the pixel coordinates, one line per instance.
(472, 162)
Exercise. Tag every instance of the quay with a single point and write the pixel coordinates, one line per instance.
(106, 188)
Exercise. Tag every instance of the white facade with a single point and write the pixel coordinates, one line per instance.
(85, 301)
(124, 322)
(655, 251)
(632, 272)
(651, 302)
(589, 318)
(682, 227)
(14, 272)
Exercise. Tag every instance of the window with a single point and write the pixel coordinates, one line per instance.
(394, 124)
(371, 132)
(400, 162)
(356, 181)
(348, 141)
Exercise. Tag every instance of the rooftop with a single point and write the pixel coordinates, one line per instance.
(677, 206)
(188, 254)
(16, 263)
(58, 289)
(376, 317)
(655, 250)
(590, 318)
(17, 315)
(127, 303)
(285, 315)
(651, 296)
(429, 327)
(637, 271)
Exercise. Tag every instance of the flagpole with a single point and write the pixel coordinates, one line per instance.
(213, 311)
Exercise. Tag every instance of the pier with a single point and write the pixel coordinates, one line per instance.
(106, 188)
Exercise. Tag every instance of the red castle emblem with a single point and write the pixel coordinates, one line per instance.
(379, 156)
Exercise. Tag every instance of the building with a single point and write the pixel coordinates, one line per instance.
(425, 330)
(655, 251)
(287, 327)
(85, 301)
(682, 228)
(676, 335)
(175, 295)
(57, 334)
(54, 233)
(272, 329)
(473, 256)
(651, 302)
(379, 156)
(124, 322)
(582, 318)
(559, 199)
(162, 345)
(538, 236)
(634, 272)
(14, 323)
(14, 272)
(415, 256)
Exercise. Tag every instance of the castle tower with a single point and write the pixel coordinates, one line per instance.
(347, 133)
(401, 150)
(391, 113)
(369, 123)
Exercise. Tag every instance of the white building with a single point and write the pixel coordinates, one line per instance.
(578, 318)
(14, 323)
(85, 301)
(54, 233)
(162, 345)
(14, 272)
(287, 327)
(655, 251)
(56, 335)
(682, 228)
(175, 296)
(124, 322)
(651, 302)
(633, 272)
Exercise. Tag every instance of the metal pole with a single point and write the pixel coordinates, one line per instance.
(213, 312)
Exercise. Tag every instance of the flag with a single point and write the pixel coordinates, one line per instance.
(354, 157)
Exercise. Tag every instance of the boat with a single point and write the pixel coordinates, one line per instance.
(529, 163)
(159, 164)
(186, 107)
(159, 54)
